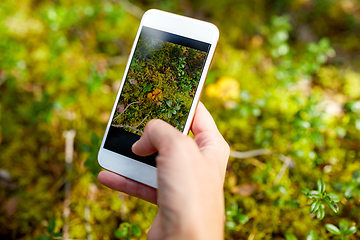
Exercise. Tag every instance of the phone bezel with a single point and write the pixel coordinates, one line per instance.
(175, 24)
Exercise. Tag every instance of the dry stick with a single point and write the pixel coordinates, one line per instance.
(282, 170)
(141, 121)
(131, 8)
(2, 77)
(2, 80)
(133, 128)
(249, 154)
(126, 126)
(87, 224)
(125, 110)
(257, 152)
(69, 153)
(117, 60)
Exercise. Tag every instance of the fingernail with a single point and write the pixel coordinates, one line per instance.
(134, 144)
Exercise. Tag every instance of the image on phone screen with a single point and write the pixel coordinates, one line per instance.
(160, 84)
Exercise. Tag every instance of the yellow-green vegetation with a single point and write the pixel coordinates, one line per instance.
(161, 83)
(284, 90)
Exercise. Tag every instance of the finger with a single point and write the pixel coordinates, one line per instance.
(156, 230)
(206, 134)
(208, 137)
(128, 186)
(144, 146)
(158, 136)
(203, 121)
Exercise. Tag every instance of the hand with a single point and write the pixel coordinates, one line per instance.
(190, 179)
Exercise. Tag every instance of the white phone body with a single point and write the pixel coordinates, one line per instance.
(191, 32)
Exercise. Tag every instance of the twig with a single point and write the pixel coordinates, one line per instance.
(2, 77)
(69, 153)
(142, 121)
(282, 170)
(126, 126)
(249, 154)
(131, 8)
(87, 224)
(123, 207)
(258, 152)
(117, 60)
(125, 110)
(288, 162)
(285, 158)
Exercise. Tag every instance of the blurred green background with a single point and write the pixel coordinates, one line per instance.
(284, 90)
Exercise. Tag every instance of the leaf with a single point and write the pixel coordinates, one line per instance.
(293, 203)
(169, 102)
(42, 237)
(230, 225)
(290, 237)
(344, 225)
(121, 232)
(312, 235)
(321, 185)
(136, 231)
(349, 192)
(314, 194)
(169, 115)
(147, 88)
(57, 235)
(320, 213)
(245, 189)
(314, 206)
(120, 108)
(350, 231)
(230, 213)
(305, 191)
(333, 197)
(132, 81)
(51, 226)
(333, 229)
(356, 174)
(332, 205)
(234, 207)
(243, 219)
(95, 140)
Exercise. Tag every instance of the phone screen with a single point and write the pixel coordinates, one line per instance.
(160, 84)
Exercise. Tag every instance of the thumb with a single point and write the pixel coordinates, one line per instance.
(157, 137)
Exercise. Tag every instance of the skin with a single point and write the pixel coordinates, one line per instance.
(190, 179)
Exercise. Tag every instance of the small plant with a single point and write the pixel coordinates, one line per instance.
(342, 231)
(92, 149)
(51, 234)
(181, 66)
(235, 216)
(320, 198)
(127, 231)
(146, 87)
(290, 236)
(185, 82)
(311, 236)
(178, 125)
(352, 187)
(170, 109)
(155, 95)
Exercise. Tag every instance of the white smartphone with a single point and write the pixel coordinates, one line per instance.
(163, 79)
